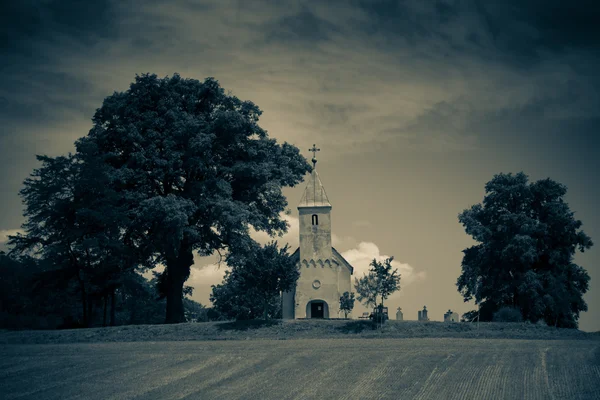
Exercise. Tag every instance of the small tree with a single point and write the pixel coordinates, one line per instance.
(347, 303)
(388, 280)
(381, 281)
(366, 288)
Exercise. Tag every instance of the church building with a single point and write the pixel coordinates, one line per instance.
(324, 274)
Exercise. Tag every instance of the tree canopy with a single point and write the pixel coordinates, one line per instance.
(255, 282)
(192, 170)
(171, 167)
(347, 303)
(527, 237)
(72, 227)
(381, 281)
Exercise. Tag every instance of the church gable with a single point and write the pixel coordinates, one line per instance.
(338, 259)
(341, 260)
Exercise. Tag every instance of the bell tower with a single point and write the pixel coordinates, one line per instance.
(324, 274)
(315, 219)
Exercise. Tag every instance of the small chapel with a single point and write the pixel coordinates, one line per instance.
(324, 274)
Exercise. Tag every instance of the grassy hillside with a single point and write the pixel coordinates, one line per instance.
(299, 329)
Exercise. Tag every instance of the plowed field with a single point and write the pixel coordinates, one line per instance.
(304, 369)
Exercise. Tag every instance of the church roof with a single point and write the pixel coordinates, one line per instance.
(314, 193)
(343, 260)
(336, 254)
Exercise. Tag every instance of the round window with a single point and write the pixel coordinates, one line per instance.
(316, 284)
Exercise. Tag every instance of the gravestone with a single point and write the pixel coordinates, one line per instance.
(399, 315)
(423, 314)
(451, 316)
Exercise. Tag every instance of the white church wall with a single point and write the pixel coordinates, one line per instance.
(315, 240)
(317, 283)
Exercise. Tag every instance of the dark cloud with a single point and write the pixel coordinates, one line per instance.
(27, 20)
(302, 27)
(518, 32)
(43, 97)
(527, 26)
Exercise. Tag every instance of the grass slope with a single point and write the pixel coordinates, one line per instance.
(295, 329)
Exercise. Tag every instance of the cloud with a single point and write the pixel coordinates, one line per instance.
(4, 234)
(356, 76)
(426, 72)
(291, 237)
(361, 257)
(206, 275)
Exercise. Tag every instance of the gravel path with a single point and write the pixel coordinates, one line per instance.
(304, 369)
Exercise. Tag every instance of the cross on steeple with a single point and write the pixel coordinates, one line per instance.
(314, 151)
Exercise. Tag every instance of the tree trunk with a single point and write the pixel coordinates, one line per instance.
(113, 308)
(104, 311)
(178, 270)
(83, 300)
(90, 304)
(132, 309)
(175, 312)
(265, 307)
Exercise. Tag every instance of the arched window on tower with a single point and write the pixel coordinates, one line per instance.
(315, 219)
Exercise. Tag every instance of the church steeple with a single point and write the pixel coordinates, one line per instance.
(314, 193)
(315, 219)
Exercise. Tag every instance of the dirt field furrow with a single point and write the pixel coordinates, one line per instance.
(70, 373)
(453, 369)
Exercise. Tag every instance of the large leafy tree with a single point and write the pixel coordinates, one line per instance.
(527, 237)
(191, 169)
(255, 282)
(73, 223)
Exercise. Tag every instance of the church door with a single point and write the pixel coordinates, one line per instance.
(317, 309)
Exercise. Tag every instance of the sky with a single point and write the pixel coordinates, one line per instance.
(415, 106)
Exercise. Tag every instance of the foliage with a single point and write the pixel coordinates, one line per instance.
(527, 237)
(212, 314)
(469, 316)
(72, 226)
(388, 279)
(347, 303)
(257, 277)
(231, 301)
(367, 289)
(381, 281)
(194, 311)
(34, 295)
(190, 170)
(508, 314)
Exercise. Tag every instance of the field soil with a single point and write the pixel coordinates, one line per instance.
(295, 329)
(416, 368)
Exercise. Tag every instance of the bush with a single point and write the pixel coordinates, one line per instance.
(470, 316)
(508, 314)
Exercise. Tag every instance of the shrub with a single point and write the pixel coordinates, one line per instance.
(508, 314)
